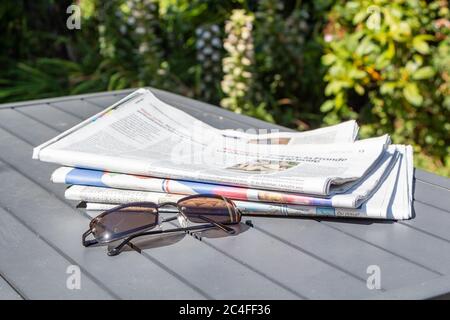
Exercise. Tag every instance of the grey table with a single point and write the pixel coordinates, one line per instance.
(278, 258)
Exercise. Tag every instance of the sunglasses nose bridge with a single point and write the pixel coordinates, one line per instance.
(168, 203)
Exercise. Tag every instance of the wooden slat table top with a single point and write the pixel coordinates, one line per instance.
(278, 258)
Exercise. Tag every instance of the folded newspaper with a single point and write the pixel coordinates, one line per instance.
(144, 149)
(351, 199)
(391, 200)
(143, 135)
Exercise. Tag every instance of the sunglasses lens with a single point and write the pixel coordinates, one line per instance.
(216, 209)
(124, 221)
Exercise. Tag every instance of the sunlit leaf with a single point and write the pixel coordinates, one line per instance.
(412, 94)
(387, 88)
(423, 73)
(328, 59)
(420, 44)
(360, 16)
(356, 74)
(327, 106)
(359, 89)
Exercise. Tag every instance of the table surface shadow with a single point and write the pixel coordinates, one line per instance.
(276, 258)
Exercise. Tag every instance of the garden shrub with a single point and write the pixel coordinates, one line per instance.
(239, 66)
(388, 67)
(209, 47)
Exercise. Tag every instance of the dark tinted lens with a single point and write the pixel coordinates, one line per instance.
(216, 209)
(124, 221)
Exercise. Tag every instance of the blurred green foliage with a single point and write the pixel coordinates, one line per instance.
(302, 64)
(388, 67)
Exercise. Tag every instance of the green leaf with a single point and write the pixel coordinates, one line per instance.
(333, 87)
(382, 62)
(328, 59)
(423, 73)
(390, 51)
(412, 94)
(360, 16)
(352, 5)
(365, 47)
(421, 45)
(356, 74)
(359, 89)
(339, 101)
(327, 106)
(411, 67)
(418, 59)
(387, 88)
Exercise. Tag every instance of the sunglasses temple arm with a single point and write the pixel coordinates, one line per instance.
(218, 225)
(116, 250)
(87, 243)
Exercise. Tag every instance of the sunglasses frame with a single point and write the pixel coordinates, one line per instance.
(128, 236)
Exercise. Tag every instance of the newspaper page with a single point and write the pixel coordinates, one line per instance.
(392, 200)
(344, 132)
(146, 136)
(350, 199)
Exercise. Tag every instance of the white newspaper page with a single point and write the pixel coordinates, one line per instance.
(343, 132)
(392, 200)
(148, 137)
(351, 198)
(401, 206)
(117, 196)
(360, 192)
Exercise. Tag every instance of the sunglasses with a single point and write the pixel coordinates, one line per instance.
(129, 221)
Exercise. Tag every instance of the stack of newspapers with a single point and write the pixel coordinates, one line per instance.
(142, 149)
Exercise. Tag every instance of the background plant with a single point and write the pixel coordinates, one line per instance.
(302, 64)
(209, 56)
(388, 67)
